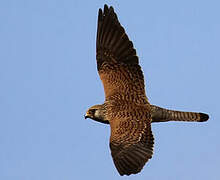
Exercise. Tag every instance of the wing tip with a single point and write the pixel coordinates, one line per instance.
(132, 160)
(125, 168)
(106, 10)
(100, 14)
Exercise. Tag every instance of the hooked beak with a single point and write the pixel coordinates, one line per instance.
(86, 115)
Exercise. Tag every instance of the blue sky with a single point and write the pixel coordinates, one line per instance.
(48, 80)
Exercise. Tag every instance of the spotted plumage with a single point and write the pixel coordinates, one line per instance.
(126, 107)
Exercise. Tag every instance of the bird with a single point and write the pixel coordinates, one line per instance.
(126, 107)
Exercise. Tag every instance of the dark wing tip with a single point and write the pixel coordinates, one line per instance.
(100, 14)
(133, 160)
(106, 9)
(112, 38)
(203, 117)
(130, 159)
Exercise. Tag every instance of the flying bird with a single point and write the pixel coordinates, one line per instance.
(126, 107)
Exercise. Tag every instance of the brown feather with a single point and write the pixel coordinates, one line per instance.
(117, 62)
(163, 115)
(128, 109)
(126, 106)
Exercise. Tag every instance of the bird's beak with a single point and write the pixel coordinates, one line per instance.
(86, 115)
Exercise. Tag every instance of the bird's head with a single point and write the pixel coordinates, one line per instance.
(97, 113)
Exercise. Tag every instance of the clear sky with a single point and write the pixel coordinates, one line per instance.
(48, 79)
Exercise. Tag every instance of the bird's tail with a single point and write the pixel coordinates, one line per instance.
(163, 115)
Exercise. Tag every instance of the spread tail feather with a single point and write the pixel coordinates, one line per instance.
(163, 115)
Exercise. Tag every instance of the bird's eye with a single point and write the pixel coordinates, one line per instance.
(92, 111)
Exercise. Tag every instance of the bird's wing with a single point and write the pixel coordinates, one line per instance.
(131, 141)
(117, 62)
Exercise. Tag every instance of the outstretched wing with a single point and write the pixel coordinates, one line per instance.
(131, 139)
(117, 62)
